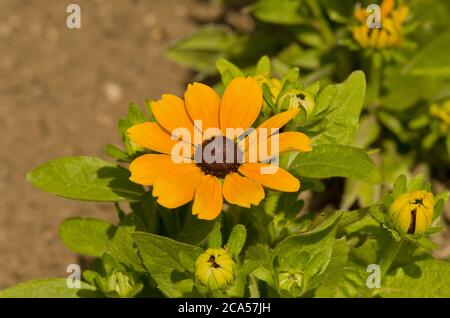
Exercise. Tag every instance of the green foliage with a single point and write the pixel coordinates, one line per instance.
(423, 279)
(280, 12)
(161, 257)
(327, 161)
(49, 288)
(237, 239)
(202, 49)
(86, 179)
(342, 114)
(86, 236)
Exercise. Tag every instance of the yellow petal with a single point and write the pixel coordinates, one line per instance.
(361, 14)
(386, 7)
(279, 179)
(422, 220)
(203, 103)
(177, 187)
(242, 191)
(279, 120)
(208, 198)
(273, 123)
(361, 35)
(399, 16)
(278, 144)
(382, 39)
(151, 136)
(241, 104)
(171, 114)
(146, 168)
(373, 38)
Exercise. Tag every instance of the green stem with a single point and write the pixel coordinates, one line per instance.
(324, 27)
(389, 257)
(374, 85)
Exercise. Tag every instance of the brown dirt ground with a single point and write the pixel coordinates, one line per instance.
(61, 92)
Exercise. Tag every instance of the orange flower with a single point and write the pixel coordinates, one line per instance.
(389, 35)
(205, 180)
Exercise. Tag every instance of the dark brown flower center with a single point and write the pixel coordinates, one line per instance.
(218, 156)
(212, 260)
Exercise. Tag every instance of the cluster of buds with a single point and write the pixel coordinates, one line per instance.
(215, 269)
(389, 34)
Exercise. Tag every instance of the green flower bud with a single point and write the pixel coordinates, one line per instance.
(296, 98)
(288, 281)
(215, 268)
(412, 213)
(121, 284)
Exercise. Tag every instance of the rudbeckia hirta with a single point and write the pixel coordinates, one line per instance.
(412, 213)
(390, 33)
(229, 171)
(215, 268)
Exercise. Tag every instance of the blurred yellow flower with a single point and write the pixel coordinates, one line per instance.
(215, 268)
(442, 112)
(390, 33)
(236, 171)
(412, 213)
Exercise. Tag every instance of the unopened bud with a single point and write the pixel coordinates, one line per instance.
(215, 268)
(412, 213)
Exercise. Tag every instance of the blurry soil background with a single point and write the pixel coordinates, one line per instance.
(61, 94)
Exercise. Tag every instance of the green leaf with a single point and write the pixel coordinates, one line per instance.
(339, 11)
(49, 288)
(203, 48)
(368, 132)
(406, 90)
(417, 183)
(342, 115)
(440, 201)
(263, 66)
(117, 153)
(194, 231)
(399, 185)
(86, 236)
(85, 179)
(237, 238)
(161, 257)
(289, 12)
(228, 70)
(308, 254)
(423, 279)
(122, 249)
(135, 116)
(215, 236)
(326, 161)
(323, 221)
(334, 283)
(433, 59)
